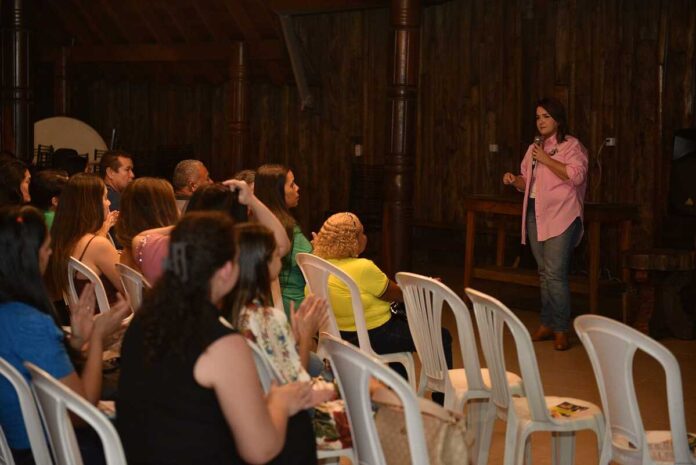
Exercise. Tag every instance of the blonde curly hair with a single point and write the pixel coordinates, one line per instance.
(338, 237)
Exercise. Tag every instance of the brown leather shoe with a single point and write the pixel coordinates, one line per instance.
(542, 334)
(560, 340)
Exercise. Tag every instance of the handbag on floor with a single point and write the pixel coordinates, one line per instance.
(446, 436)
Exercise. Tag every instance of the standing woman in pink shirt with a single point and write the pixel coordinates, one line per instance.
(554, 179)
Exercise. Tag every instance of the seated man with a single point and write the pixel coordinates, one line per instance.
(116, 168)
(189, 175)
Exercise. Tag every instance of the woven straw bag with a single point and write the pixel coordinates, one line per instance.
(446, 437)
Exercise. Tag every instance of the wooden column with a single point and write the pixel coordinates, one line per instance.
(237, 113)
(399, 160)
(60, 83)
(17, 124)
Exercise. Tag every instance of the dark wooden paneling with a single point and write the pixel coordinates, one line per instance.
(345, 55)
(483, 65)
(148, 115)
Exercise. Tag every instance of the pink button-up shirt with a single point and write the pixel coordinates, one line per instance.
(558, 202)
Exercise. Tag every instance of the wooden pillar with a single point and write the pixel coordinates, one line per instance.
(399, 160)
(237, 114)
(17, 124)
(61, 104)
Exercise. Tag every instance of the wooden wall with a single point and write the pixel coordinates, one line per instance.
(624, 68)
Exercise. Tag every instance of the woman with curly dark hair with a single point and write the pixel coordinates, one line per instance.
(189, 391)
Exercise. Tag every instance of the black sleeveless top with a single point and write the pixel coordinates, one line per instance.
(164, 416)
(80, 281)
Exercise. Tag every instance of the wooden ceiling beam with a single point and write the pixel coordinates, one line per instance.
(91, 23)
(293, 7)
(266, 50)
(69, 24)
(244, 22)
(240, 16)
(218, 35)
(145, 19)
(115, 20)
(175, 21)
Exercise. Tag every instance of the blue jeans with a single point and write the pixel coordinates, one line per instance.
(553, 262)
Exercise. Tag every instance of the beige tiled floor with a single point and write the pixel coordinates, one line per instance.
(569, 374)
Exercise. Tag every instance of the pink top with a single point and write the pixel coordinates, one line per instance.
(150, 255)
(558, 202)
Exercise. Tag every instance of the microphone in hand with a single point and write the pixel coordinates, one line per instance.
(539, 142)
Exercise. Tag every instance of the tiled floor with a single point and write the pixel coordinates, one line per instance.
(570, 374)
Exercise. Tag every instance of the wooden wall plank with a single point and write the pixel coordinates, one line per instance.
(483, 65)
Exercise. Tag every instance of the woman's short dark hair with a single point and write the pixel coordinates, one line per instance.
(218, 197)
(12, 172)
(556, 110)
(175, 312)
(22, 233)
(45, 185)
(256, 245)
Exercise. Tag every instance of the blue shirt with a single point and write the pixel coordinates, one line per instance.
(26, 334)
(114, 197)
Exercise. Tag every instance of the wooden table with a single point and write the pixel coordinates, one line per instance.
(621, 215)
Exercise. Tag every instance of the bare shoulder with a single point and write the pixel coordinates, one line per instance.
(227, 355)
(101, 244)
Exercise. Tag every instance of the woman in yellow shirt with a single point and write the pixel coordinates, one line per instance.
(340, 241)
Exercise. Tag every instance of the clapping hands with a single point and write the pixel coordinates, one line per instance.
(85, 325)
(309, 318)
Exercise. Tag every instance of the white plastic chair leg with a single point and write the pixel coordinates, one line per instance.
(528, 450)
(423, 384)
(563, 448)
(480, 419)
(406, 359)
(510, 456)
(5, 452)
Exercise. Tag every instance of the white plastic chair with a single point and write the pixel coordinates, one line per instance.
(30, 415)
(424, 298)
(264, 367)
(75, 265)
(611, 347)
(354, 368)
(5, 452)
(317, 272)
(526, 415)
(267, 374)
(55, 400)
(133, 284)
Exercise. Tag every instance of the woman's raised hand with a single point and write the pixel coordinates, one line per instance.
(509, 178)
(245, 193)
(109, 324)
(109, 223)
(295, 396)
(309, 318)
(539, 155)
(82, 317)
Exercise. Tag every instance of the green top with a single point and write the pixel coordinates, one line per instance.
(292, 282)
(48, 218)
